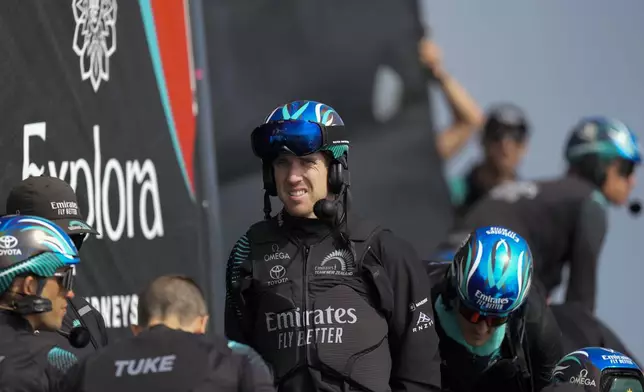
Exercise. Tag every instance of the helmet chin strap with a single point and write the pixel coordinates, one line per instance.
(267, 206)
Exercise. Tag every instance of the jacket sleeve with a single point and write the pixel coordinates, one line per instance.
(100, 325)
(545, 345)
(72, 381)
(255, 375)
(586, 247)
(412, 338)
(235, 322)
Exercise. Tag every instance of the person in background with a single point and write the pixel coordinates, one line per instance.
(169, 351)
(565, 219)
(496, 333)
(467, 115)
(54, 199)
(36, 280)
(504, 142)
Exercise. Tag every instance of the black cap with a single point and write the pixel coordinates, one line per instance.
(49, 198)
(505, 120)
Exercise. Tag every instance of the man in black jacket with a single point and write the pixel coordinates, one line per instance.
(169, 351)
(54, 199)
(331, 302)
(36, 280)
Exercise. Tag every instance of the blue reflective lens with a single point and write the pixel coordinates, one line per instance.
(298, 137)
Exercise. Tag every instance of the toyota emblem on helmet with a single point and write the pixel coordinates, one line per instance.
(8, 242)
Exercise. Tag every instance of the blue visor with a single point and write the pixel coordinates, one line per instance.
(297, 137)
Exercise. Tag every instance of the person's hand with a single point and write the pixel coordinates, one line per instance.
(430, 56)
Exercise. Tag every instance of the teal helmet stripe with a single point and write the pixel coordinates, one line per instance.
(604, 149)
(336, 150)
(52, 232)
(44, 265)
(296, 115)
(506, 274)
(490, 270)
(325, 118)
(496, 264)
(524, 281)
(285, 114)
(571, 357)
(466, 270)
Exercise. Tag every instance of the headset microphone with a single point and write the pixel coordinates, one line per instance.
(78, 337)
(635, 207)
(326, 209)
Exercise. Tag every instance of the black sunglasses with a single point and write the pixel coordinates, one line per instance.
(626, 168)
(65, 278)
(476, 317)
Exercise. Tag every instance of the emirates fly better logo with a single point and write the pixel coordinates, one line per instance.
(94, 38)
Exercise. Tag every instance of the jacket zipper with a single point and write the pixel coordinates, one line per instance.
(305, 302)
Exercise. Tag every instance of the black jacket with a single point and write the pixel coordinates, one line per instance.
(324, 317)
(29, 361)
(81, 313)
(535, 355)
(581, 328)
(170, 360)
(563, 220)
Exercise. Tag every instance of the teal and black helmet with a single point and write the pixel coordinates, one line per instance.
(31, 245)
(597, 141)
(604, 137)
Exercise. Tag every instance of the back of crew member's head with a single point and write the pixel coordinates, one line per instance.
(174, 301)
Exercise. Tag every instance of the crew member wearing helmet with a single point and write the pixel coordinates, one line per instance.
(564, 220)
(504, 142)
(54, 199)
(599, 370)
(496, 334)
(323, 297)
(36, 262)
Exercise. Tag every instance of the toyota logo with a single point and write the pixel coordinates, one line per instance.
(277, 272)
(8, 242)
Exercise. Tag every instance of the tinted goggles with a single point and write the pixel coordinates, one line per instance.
(626, 168)
(475, 317)
(297, 137)
(500, 132)
(65, 278)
